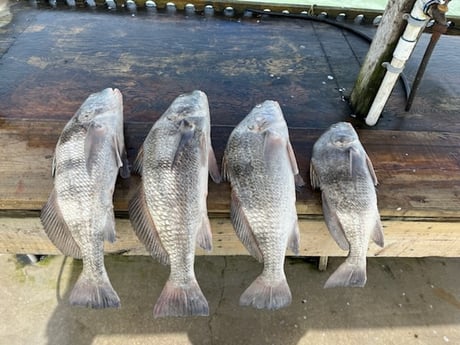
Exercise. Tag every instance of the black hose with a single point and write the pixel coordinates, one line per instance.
(358, 33)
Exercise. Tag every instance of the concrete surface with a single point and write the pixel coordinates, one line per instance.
(406, 301)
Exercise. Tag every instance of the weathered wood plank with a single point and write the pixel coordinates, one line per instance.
(238, 65)
(403, 238)
(419, 172)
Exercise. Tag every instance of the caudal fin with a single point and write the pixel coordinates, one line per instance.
(92, 294)
(181, 301)
(348, 275)
(262, 294)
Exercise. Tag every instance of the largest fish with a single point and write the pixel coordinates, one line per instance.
(341, 168)
(79, 213)
(169, 213)
(261, 166)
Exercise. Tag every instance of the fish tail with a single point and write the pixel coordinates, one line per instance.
(348, 275)
(94, 294)
(262, 294)
(181, 301)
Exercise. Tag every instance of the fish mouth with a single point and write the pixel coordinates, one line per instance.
(189, 123)
(192, 105)
(117, 93)
(266, 115)
(112, 92)
(342, 140)
(119, 96)
(98, 103)
(112, 97)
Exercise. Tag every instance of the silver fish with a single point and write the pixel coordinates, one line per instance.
(343, 171)
(260, 165)
(79, 216)
(169, 212)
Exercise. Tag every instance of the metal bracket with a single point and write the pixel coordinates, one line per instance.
(390, 68)
(414, 21)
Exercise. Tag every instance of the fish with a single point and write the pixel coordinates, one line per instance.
(78, 215)
(341, 168)
(169, 212)
(260, 164)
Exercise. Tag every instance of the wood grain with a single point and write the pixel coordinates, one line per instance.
(418, 172)
(50, 61)
(403, 239)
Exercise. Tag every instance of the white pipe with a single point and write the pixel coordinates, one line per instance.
(416, 22)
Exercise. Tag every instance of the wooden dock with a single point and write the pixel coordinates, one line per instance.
(51, 60)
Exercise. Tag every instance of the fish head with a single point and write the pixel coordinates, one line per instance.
(267, 117)
(100, 104)
(189, 110)
(342, 135)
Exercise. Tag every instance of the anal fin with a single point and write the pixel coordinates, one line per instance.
(204, 235)
(377, 233)
(109, 227)
(294, 238)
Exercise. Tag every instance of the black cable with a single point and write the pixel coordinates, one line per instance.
(358, 33)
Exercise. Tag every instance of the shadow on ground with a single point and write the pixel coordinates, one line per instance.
(399, 293)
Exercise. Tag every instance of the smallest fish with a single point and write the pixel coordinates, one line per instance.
(343, 171)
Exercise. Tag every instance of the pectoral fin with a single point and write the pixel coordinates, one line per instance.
(94, 140)
(212, 166)
(209, 158)
(123, 156)
(299, 182)
(371, 170)
(243, 228)
(354, 160)
(272, 143)
(53, 166)
(186, 134)
(356, 163)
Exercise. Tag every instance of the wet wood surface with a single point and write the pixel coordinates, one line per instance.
(51, 60)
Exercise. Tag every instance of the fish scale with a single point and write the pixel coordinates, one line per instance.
(169, 211)
(342, 170)
(173, 203)
(78, 216)
(260, 165)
